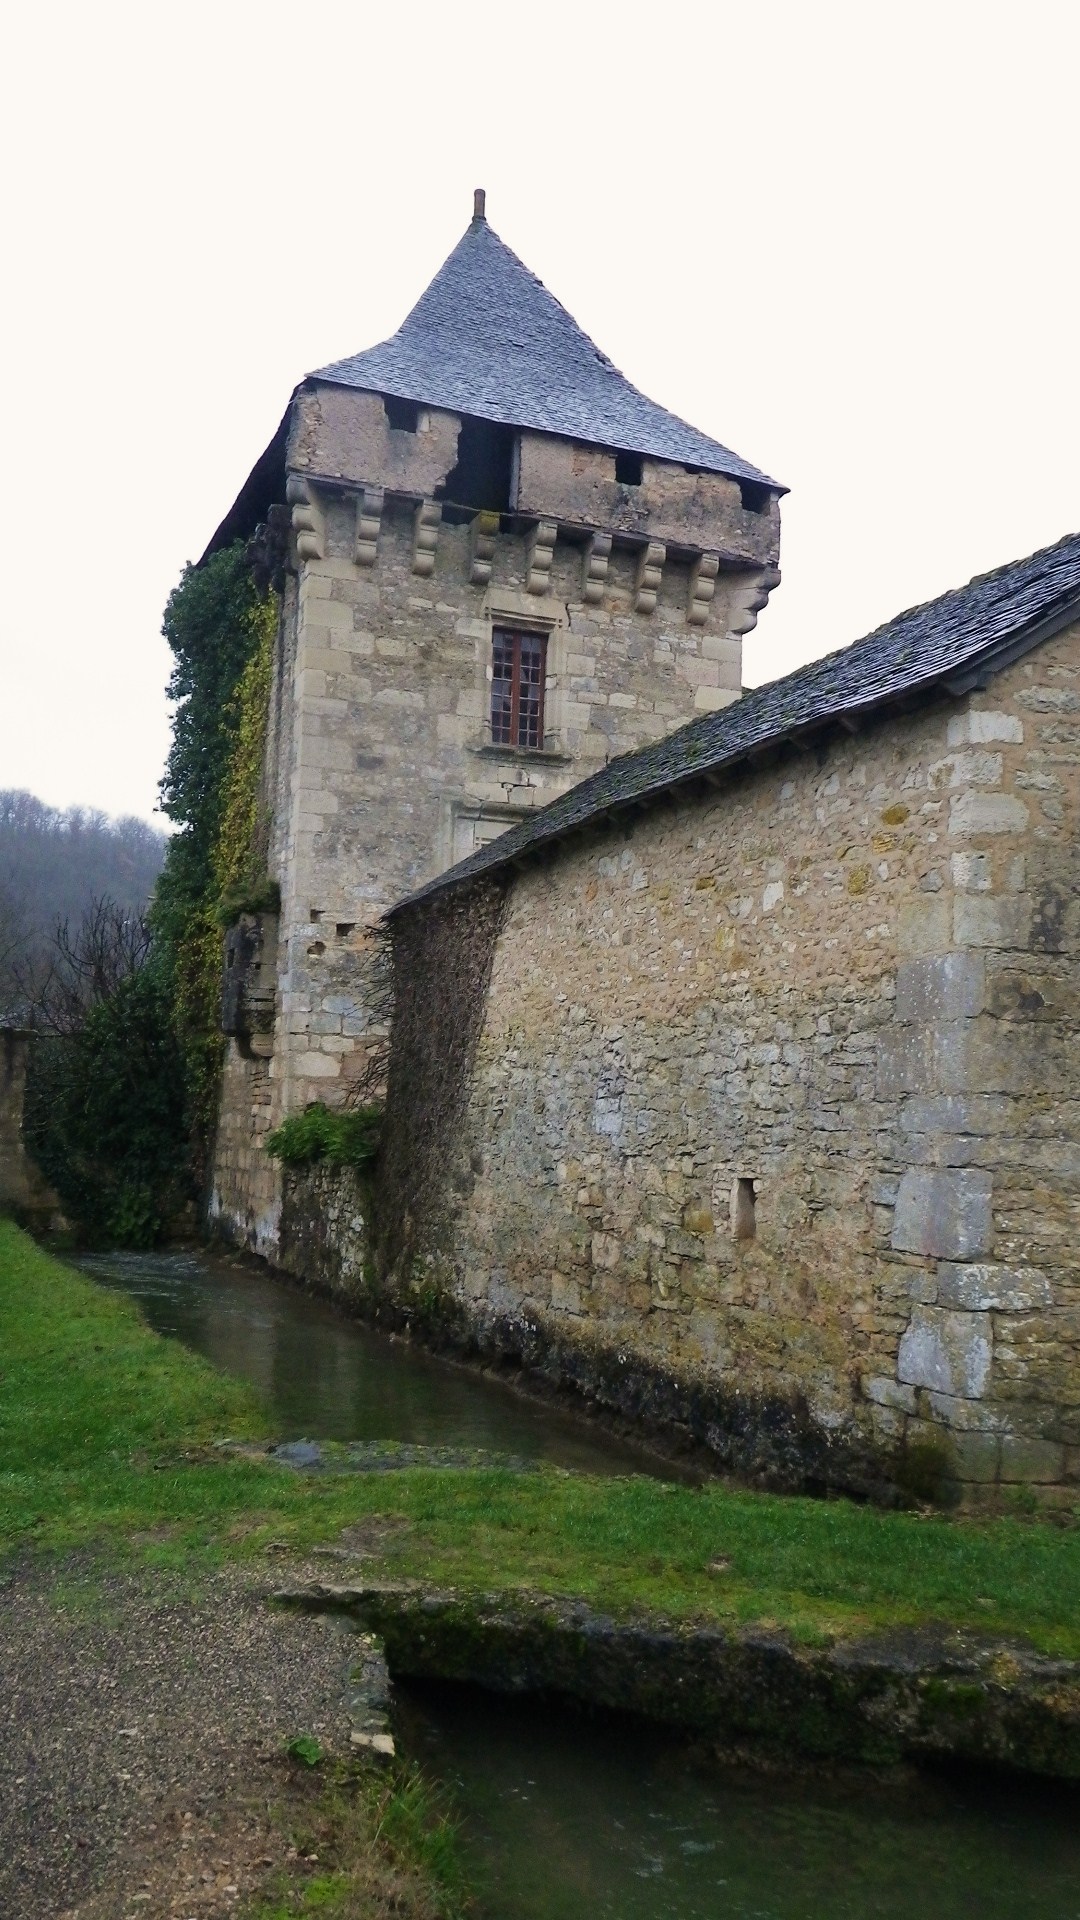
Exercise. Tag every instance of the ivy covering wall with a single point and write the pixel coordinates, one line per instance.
(221, 629)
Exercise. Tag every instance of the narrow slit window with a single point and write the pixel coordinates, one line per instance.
(518, 664)
(744, 1210)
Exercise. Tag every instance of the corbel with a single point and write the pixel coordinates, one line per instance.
(748, 600)
(369, 512)
(308, 523)
(650, 566)
(426, 521)
(597, 555)
(541, 553)
(702, 587)
(484, 529)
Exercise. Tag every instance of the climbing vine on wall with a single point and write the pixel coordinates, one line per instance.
(221, 629)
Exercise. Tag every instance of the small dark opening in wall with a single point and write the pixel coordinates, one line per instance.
(754, 496)
(744, 1210)
(316, 915)
(317, 947)
(343, 928)
(628, 469)
(485, 461)
(402, 416)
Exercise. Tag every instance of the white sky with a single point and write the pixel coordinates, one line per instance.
(842, 238)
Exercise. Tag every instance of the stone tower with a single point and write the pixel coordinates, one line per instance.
(502, 566)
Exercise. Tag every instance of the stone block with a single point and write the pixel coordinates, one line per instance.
(885, 1392)
(945, 1213)
(981, 1287)
(964, 1416)
(565, 1294)
(948, 1353)
(924, 925)
(711, 699)
(1031, 1461)
(973, 812)
(329, 614)
(976, 1456)
(975, 728)
(606, 1250)
(315, 1066)
(991, 920)
(939, 987)
(979, 769)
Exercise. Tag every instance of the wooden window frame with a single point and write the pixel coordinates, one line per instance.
(518, 725)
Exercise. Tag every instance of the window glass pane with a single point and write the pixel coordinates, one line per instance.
(502, 688)
(517, 688)
(531, 693)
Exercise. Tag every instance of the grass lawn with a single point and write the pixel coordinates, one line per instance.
(106, 1435)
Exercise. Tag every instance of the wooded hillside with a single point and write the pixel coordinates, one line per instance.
(53, 864)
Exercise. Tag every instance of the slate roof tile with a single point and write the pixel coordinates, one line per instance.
(932, 643)
(488, 339)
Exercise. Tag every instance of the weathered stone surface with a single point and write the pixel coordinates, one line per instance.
(894, 1104)
(932, 1691)
(949, 1353)
(1028, 1460)
(981, 1286)
(944, 1213)
(942, 987)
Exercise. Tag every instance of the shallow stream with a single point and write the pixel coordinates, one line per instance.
(572, 1818)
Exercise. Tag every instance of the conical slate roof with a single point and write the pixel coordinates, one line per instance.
(488, 339)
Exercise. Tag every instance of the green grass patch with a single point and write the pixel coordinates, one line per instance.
(106, 1435)
(387, 1847)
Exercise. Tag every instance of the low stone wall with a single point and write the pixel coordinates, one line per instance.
(930, 1693)
(324, 1231)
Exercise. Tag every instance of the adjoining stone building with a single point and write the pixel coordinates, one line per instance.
(740, 1087)
(501, 565)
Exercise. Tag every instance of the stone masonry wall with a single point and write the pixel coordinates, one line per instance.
(777, 1101)
(380, 765)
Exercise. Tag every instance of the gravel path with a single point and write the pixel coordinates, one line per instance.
(142, 1738)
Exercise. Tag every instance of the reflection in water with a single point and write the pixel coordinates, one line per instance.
(578, 1819)
(326, 1377)
(570, 1817)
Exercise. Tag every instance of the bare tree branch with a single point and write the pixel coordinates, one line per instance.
(83, 967)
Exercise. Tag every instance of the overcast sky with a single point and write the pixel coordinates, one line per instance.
(841, 238)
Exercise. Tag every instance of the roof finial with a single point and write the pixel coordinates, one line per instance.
(479, 203)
